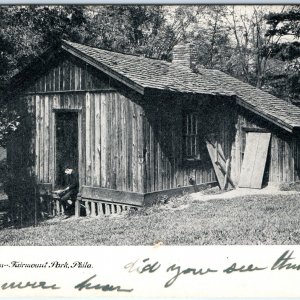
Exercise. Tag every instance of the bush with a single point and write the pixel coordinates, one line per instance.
(3, 172)
(22, 195)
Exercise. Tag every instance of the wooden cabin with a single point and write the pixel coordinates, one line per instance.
(138, 130)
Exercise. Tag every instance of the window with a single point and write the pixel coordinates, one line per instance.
(191, 140)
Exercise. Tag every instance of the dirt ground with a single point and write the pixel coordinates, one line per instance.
(241, 192)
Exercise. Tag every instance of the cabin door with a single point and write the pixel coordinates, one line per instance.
(255, 158)
(66, 144)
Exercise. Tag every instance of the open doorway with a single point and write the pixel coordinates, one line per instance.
(66, 144)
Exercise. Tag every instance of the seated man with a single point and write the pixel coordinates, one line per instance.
(69, 193)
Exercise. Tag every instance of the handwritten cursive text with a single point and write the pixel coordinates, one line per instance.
(87, 285)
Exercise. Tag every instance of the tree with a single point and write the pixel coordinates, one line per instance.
(211, 38)
(133, 29)
(250, 55)
(285, 26)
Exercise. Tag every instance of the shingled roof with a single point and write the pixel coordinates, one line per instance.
(142, 73)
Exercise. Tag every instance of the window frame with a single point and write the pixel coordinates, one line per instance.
(191, 148)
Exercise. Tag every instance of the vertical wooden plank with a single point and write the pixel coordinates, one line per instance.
(92, 132)
(285, 156)
(88, 138)
(291, 160)
(58, 207)
(76, 79)
(272, 159)
(129, 142)
(37, 137)
(72, 76)
(46, 139)
(134, 148)
(295, 158)
(119, 143)
(103, 139)
(93, 208)
(83, 138)
(107, 209)
(124, 131)
(97, 173)
(108, 140)
(83, 77)
(79, 78)
(77, 208)
(112, 141)
(32, 144)
(151, 149)
(48, 81)
(252, 145)
(146, 162)
(41, 129)
(69, 101)
(276, 165)
(257, 145)
(56, 79)
(159, 157)
(67, 75)
(50, 131)
(280, 160)
(87, 208)
(100, 209)
(80, 163)
(61, 76)
(238, 150)
(52, 79)
(40, 84)
(54, 148)
(140, 149)
(119, 209)
(44, 82)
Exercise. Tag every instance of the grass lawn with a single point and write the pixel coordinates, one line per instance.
(253, 220)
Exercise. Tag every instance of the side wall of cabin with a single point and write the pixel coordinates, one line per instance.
(283, 161)
(165, 166)
(221, 120)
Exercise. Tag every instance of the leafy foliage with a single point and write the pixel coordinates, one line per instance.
(286, 26)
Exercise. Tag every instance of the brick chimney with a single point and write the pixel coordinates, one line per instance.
(184, 54)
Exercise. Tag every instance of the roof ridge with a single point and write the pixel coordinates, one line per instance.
(114, 51)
